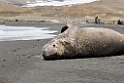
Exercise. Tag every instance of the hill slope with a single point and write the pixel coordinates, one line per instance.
(16, 2)
(107, 10)
(104, 7)
(11, 10)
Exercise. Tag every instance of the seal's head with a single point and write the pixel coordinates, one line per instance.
(53, 50)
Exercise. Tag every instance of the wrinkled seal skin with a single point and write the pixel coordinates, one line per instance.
(75, 42)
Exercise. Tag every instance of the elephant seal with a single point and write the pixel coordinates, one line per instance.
(75, 42)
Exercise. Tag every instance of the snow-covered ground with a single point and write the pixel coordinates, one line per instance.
(56, 2)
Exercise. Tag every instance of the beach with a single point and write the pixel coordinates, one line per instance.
(21, 62)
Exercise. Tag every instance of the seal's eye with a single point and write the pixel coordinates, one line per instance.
(54, 45)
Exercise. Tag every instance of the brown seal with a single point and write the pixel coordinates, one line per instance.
(75, 42)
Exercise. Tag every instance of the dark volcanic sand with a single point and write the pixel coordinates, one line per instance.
(21, 62)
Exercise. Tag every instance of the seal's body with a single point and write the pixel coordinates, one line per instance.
(74, 42)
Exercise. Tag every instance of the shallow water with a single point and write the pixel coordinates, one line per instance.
(12, 33)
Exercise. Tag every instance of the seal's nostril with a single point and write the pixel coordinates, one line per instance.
(43, 55)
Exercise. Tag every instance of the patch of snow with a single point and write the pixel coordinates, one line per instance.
(57, 2)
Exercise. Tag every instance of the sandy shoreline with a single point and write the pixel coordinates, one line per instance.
(21, 62)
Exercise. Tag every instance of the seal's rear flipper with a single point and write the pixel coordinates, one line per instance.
(64, 28)
(68, 27)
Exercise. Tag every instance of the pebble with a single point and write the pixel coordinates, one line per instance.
(3, 59)
(29, 56)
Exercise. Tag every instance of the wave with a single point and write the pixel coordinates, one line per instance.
(12, 33)
(1, 32)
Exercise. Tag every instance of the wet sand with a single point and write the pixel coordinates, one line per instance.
(22, 62)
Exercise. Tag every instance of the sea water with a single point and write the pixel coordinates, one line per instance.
(12, 33)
